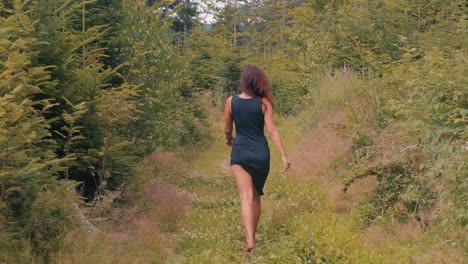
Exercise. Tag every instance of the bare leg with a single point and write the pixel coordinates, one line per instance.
(250, 204)
(257, 209)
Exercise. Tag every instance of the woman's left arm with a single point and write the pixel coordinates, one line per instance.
(228, 127)
(273, 132)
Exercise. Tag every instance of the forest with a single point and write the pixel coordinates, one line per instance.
(111, 130)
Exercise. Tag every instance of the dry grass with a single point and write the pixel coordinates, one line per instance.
(166, 205)
(139, 232)
(316, 149)
(333, 92)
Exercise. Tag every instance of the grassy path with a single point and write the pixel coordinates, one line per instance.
(298, 222)
(189, 213)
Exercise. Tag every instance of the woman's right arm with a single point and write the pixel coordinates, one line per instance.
(228, 127)
(274, 133)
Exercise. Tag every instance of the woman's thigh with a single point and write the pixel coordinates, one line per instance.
(245, 185)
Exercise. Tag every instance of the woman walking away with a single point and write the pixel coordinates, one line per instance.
(251, 110)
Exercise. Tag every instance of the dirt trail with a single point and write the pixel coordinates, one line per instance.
(316, 151)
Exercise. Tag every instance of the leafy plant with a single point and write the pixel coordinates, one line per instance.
(312, 252)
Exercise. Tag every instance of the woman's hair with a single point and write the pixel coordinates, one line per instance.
(254, 81)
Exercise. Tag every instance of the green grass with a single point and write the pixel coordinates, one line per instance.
(297, 224)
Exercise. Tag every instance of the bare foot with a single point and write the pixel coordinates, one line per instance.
(248, 249)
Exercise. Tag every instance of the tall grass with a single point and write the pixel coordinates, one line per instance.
(336, 92)
(353, 94)
(333, 91)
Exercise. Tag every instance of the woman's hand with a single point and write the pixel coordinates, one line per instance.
(286, 163)
(229, 141)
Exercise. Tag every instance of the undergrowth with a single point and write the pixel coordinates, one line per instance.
(188, 210)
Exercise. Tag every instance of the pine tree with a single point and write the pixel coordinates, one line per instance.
(28, 164)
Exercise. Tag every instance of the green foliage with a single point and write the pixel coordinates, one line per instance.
(202, 50)
(51, 218)
(230, 72)
(439, 77)
(359, 148)
(72, 132)
(447, 164)
(414, 77)
(89, 87)
(117, 108)
(400, 190)
(28, 164)
(313, 43)
(166, 118)
(285, 81)
(312, 252)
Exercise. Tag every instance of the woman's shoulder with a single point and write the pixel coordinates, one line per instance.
(266, 101)
(229, 99)
(266, 104)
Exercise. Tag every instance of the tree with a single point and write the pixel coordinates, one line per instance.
(166, 117)
(28, 164)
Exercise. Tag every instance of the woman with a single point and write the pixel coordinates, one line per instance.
(250, 157)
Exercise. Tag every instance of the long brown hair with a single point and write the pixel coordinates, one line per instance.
(254, 82)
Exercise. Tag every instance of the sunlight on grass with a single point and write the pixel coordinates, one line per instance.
(298, 225)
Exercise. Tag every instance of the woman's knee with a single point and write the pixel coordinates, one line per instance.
(246, 195)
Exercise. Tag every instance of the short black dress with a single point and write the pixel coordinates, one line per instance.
(250, 149)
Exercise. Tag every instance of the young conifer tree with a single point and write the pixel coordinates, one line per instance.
(28, 163)
(74, 38)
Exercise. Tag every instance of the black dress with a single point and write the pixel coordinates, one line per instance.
(250, 149)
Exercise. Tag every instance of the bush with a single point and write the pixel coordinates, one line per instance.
(51, 218)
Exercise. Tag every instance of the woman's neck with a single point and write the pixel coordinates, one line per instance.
(244, 95)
